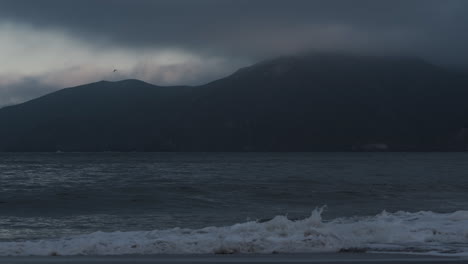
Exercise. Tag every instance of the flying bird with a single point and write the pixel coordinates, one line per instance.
(115, 70)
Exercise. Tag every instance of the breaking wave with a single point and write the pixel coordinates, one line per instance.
(402, 232)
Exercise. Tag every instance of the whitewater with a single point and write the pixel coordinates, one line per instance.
(400, 232)
(89, 204)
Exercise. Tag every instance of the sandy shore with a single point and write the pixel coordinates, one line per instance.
(232, 259)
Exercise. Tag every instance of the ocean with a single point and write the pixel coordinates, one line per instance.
(217, 203)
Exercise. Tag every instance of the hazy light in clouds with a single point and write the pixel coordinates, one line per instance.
(34, 62)
(50, 44)
(26, 51)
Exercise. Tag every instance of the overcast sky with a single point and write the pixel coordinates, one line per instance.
(50, 44)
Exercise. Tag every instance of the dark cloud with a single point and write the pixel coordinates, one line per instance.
(431, 28)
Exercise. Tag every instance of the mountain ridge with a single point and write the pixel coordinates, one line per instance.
(321, 102)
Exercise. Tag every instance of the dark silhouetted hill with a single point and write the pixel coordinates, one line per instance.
(321, 102)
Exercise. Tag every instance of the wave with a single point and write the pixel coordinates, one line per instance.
(401, 232)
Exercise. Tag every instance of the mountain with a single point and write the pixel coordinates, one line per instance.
(103, 116)
(316, 102)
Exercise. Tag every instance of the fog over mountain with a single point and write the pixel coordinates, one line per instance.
(313, 102)
(51, 44)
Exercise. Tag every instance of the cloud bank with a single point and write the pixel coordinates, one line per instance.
(56, 43)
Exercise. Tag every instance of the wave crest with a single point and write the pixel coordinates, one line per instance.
(421, 232)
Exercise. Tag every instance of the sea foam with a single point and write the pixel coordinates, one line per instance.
(421, 232)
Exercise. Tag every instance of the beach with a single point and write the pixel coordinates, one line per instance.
(329, 258)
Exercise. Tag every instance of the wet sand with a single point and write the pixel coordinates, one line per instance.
(332, 258)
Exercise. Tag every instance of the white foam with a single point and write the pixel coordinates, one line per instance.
(421, 232)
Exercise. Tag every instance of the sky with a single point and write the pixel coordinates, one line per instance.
(51, 44)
